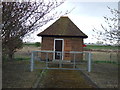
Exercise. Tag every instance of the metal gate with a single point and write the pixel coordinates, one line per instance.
(76, 61)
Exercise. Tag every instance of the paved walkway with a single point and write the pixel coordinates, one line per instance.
(64, 79)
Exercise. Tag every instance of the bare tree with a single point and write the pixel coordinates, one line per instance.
(21, 18)
(111, 32)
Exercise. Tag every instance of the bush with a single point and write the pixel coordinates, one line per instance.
(37, 44)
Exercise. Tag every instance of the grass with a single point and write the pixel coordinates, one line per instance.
(29, 44)
(17, 75)
(25, 54)
(105, 57)
(21, 58)
(64, 79)
(105, 75)
(112, 62)
(101, 47)
(36, 44)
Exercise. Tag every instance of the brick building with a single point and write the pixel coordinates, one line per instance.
(62, 35)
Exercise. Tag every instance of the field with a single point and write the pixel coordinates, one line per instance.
(17, 74)
(102, 47)
(100, 54)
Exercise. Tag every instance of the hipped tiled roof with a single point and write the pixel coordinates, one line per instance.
(63, 27)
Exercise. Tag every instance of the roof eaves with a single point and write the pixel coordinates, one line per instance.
(63, 36)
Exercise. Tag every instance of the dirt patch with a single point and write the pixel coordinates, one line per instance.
(105, 75)
(64, 79)
(17, 74)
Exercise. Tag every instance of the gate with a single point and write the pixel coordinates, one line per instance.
(46, 60)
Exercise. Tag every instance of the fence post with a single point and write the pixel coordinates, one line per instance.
(32, 61)
(89, 62)
(86, 56)
(60, 62)
(46, 60)
(110, 56)
(74, 61)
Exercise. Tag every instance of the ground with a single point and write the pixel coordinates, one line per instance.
(104, 75)
(17, 74)
(64, 79)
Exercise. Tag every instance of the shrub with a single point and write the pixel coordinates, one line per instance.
(37, 44)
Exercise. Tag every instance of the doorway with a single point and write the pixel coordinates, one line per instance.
(58, 48)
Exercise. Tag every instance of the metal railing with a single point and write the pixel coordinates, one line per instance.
(48, 57)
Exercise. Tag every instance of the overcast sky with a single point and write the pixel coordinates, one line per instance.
(86, 15)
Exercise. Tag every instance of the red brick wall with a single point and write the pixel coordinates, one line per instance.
(67, 47)
(70, 44)
(77, 45)
(73, 44)
(47, 45)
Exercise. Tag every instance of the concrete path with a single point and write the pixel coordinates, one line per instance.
(64, 79)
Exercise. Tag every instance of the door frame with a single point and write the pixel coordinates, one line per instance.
(62, 47)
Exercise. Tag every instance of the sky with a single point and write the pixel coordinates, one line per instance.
(85, 15)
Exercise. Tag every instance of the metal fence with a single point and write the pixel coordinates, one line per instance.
(105, 57)
(110, 57)
(72, 60)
